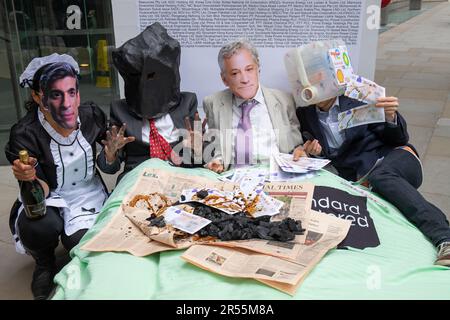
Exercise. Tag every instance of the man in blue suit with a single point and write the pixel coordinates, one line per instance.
(355, 151)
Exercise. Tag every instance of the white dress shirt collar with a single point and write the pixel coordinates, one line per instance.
(258, 97)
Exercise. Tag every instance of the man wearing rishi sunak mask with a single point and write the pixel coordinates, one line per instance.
(60, 102)
(156, 112)
(61, 136)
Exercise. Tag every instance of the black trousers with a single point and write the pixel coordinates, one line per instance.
(397, 180)
(42, 235)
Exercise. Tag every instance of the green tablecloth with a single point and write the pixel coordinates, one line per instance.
(401, 267)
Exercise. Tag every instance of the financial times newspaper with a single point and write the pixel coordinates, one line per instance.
(323, 232)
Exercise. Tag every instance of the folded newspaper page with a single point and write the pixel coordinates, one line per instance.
(297, 198)
(121, 234)
(323, 232)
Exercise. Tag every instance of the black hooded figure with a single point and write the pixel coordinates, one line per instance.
(149, 65)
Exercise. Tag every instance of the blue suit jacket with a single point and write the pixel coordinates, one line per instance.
(362, 145)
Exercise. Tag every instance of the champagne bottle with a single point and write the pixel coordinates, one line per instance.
(32, 193)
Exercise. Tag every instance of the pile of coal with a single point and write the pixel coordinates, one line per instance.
(240, 226)
(156, 221)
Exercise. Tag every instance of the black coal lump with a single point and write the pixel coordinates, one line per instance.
(240, 226)
(275, 232)
(204, 232)
(212, 230)
(263, 233)
(152, 216)
(158, 222)
(202, 194)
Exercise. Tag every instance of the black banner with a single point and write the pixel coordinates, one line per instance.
(362, 233)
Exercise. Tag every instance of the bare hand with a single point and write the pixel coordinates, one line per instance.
(24, 172)
(194, 139)
(312, 147)
(215, 165)
(390, 105)
(115, 141)
(299, 152)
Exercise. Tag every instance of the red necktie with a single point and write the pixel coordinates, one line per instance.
(159, 147)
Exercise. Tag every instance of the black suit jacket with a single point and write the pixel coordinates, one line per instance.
(136, 152)
(362, 145)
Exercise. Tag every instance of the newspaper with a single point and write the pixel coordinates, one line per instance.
(161, 236)
(121, 234)
(324, 232)
(297, 198)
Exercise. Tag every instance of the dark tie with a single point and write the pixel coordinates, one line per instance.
(244, 141)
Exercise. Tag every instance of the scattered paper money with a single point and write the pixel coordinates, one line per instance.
(359, 116)
(364, 90)
(302, 165)
(222, 200)
(185, 221)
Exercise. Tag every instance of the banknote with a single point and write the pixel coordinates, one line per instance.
(302, 165)
(359, 116)
(185, 221)
(363, 89)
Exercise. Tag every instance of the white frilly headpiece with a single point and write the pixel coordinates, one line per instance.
(26, 78)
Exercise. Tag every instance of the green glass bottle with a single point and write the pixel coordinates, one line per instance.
(32, 193)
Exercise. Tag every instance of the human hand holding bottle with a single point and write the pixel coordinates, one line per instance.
(33, 191)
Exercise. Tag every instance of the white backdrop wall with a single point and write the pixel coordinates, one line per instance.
(274, 26)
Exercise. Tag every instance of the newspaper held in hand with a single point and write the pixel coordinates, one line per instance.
(185, 221)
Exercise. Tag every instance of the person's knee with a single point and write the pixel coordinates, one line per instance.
(36, 234)
(381, 178)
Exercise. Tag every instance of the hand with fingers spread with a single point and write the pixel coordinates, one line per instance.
(115, 140)
(390, 105)
(312, 147)
(24, 172)
(194, 138)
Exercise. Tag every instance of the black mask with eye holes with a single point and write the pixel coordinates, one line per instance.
(149, 65)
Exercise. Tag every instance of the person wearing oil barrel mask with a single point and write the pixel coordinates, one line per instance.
(154, 110)
(377, 154)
